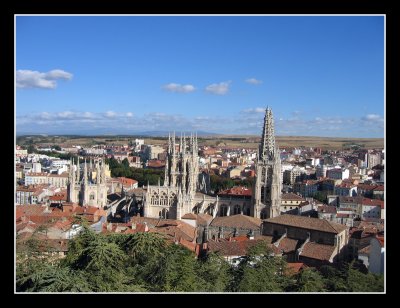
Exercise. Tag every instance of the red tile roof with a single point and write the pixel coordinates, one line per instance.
(288, 245)
(327, 209)
(318, 251)
(237, 191)
(294, 268)
(291, 196)
(237, 221)
(227, 248)
(189, 216)
(204, 219)
(127, 181)
(372, 202)
(307, 223)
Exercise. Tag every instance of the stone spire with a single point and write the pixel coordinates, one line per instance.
(78, 171)
(85, 173)
(169, 150)
(267, 146)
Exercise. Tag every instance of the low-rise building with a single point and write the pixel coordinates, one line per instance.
(319, 241)
(290, 203)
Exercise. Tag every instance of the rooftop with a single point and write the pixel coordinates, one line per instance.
(237, 221)
(318, 251)
(307, 223)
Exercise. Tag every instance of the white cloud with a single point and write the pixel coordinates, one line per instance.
(247, 121)
(253, 81)
(176, 87)
(35, 79)
(218, 88)
(373, 118)
(110, 114)
(254, 110)
(65, 114)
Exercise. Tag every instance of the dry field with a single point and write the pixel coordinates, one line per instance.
(226, 140)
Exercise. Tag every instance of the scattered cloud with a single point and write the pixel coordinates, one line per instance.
(219, 88)
(176, 87)
(110, 114)
(253, 81)
(372, 118)
(35, 79)
(254, 110)
(247, 121)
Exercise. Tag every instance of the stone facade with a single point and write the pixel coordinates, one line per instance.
(82, 188)
(186, 191)
(267, 190)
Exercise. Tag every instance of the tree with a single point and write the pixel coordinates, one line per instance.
(176, 271)
(214, 273)
(360, 282)
(125, 163)
(142, 245)
(259, 271)
(310, 280)
(31, 149)
(55, 279)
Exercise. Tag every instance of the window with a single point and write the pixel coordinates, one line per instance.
(263, 214)
(237, 209)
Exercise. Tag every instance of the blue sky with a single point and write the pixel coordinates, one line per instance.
(321, 75)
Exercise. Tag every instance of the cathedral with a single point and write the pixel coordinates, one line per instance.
(88, 187)
(184, 189)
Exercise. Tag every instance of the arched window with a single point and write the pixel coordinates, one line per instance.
(163, 200)
(164, 213)
(224, 210)
(154, 199)
(237, 209)
(263, 214)
(91, 197)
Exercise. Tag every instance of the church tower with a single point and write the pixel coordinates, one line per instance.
(86, 189)
(267, 187)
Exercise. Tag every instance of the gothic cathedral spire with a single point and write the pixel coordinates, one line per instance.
(268, 183)
(267, 145)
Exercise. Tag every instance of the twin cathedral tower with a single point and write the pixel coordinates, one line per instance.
(184, 190)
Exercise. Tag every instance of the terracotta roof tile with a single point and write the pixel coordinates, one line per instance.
(237, 221)
(307, 223)
(318, 251)
(288, 245)
(189, 216)
(227, 248)
(291, 196)
(237, 191)
(294, 268)
(204, 219)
